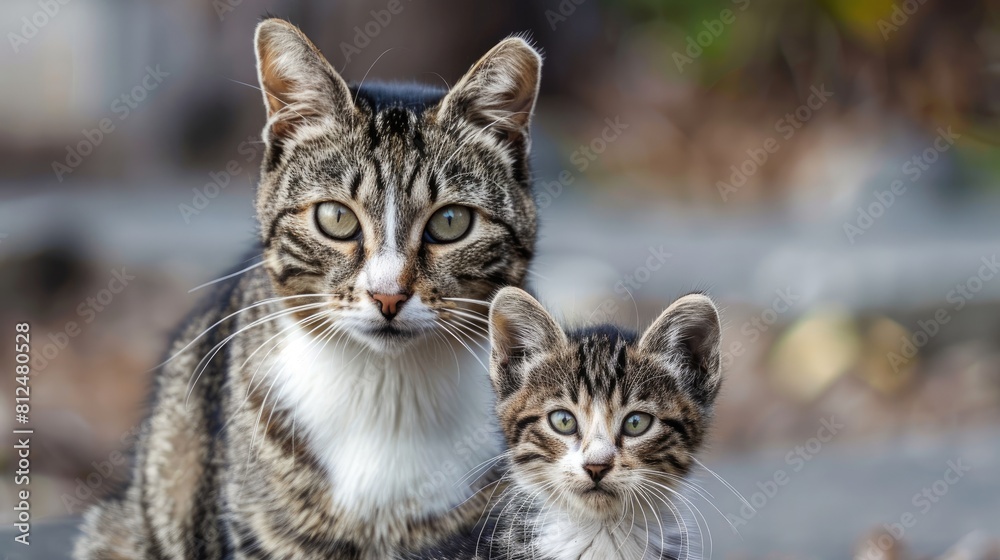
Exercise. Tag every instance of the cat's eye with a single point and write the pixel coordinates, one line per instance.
(636, 424)
(563, 422)
(337, 220)
(449, 224)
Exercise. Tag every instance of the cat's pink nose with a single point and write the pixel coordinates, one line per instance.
(597, 470)
(389, 304)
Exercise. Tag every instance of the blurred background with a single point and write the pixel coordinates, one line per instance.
(826, 170)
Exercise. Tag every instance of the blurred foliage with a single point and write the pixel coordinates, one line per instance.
(767, 23)
(911, 66)
(769, 40)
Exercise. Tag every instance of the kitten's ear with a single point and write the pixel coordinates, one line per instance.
(520, 328)
(498, 93)
(298, 83)
(686, 339)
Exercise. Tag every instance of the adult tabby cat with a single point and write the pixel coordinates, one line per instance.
(602, 429)
(343, 405)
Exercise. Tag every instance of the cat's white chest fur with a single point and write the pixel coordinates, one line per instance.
(396, 434)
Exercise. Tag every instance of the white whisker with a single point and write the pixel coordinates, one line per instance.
(250, 385)
(725, 483)
(278, 99)
(230, 316)
(226, 277)
(202, 365)
(444, 327)
(469, 315)
(365, 77)
(467, 300)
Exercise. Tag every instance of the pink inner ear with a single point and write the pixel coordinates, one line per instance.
(274, 87)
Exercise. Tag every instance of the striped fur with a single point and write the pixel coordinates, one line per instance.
(317, 427)
(553, 508)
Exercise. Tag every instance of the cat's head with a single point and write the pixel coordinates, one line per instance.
(392, 198)
(596, 419)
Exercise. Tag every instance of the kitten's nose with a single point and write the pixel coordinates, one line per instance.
(597, 470)
(389, 304)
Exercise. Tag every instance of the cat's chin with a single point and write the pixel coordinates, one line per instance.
(387, 339)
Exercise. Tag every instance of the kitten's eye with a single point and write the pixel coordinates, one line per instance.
(563, 422)
(637, 423)
(337, 220)
(449, 224)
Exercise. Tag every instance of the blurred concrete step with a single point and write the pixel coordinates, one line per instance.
(49, 540)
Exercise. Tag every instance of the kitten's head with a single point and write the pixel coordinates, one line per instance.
(391, 199)
(594, 419)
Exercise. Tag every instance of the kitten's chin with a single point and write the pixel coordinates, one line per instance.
(594, 503)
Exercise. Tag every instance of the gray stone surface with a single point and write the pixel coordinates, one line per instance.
(823, 511)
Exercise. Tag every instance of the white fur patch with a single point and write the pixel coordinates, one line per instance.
(381, 273)
(562, 538)
(634, 536)
(393, 432)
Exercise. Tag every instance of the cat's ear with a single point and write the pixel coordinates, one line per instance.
(298, 83)
(686, 339)
(498, 93)
(520, 329)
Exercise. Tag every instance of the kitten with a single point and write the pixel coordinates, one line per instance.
(337, 402)
(601, 429)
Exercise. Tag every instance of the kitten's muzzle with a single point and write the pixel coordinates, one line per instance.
(389, 304)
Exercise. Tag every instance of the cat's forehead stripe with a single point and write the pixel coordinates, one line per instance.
(602, 360)
(355, 185)
(413, 177)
